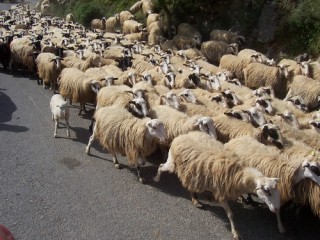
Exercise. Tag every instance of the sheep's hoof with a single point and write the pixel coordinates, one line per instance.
(156, 178)
(88, 151)
(197, 204)
(117, 165)
(236, 237)
(55, 135)
(142, 180)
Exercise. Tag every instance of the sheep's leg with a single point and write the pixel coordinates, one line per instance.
(280, 225)
(195, 201)
(68, 128)
(168, 166)
(227, 208)
(141, 179)
(116, 162)
(79, 114)
(56, 127)
(91, 140)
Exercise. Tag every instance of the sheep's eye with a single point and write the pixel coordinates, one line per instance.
(138, 107)
(273, 133)
(186, 94)
(263, 103)
(267, 191)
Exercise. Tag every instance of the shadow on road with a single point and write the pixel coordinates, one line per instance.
(7, 107)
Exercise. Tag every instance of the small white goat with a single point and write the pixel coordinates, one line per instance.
(60, 110)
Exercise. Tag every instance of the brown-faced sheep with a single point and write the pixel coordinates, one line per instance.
(201, 164)
(121, 133)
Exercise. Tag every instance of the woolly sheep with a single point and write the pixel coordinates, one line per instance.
(125, 15)
(147, 7)
(272, 164)
(121, 133)
(201, 165)
(296, 68)
(177, 123)
(136, 7)
(131, 26)
(226, 36)
(235, 64)
(257, 75)
(229, 128)
(247, 53)
(60, 110)
(49, 68)
(76, 86)
(307, 88)
(153, 17)
(112, 23)
(314, 68)
(214, 50)
(93, 60)
(69, 17)
(98, 24)
(185, 29)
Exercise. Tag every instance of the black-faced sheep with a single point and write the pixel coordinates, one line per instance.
(201, 164)
(121, 133)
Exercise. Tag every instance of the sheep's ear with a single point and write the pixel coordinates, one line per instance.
(163, 100)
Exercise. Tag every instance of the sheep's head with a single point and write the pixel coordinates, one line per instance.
(205, 124)
(188, 96)
(289, 118)
(309, 169)
(213, 82)
(264, 105)
(63, 105)
(298, 102)
(283, 70)
(132, 78)
(305, 68)
(57, 61)
(256, 116)
(222, 76)
(271, 135)
(95, 86)
(107, 81)
(231, 97)
(147, 77)
(170, 99)
(155, 129)
(138, 107)
(315, 123)
(263, 92)
(170, 80)
(237, 114)
(233, 49)
(266, 189)
(221, 100)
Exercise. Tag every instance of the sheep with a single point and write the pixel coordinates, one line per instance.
(257, 75)
(272, 163)
(147, 7)
(185, 42)
(76, 86)
(296, 68)
(125, 15)
(49, 68)
(214, 50)
(226, 36)
(122, 96)
(112, 23)
(139, 36)
(185, 29)
(229, 128)
(121, 133)
(136, 7)
(314, 69)
(156, 34)
(131, 26)
(201, 165)
(177, 123)
(247, 53)
(93, 60)
(60, 110)
(69, 17)
(235, 64)
(153, 17)
(307, 88)
(191, 53)
(98, 24)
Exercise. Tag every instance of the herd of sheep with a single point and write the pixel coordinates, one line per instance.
(227, 121)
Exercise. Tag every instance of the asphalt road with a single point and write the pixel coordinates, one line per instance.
(50, 189)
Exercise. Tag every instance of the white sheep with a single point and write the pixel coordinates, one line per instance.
(131, 26)
(98, 24)
(272, 163)
(247, 53)
(296, 68)
(257, 75)
(112, 23)
(214, 50)
(69, 17)
(94, 60)
(60, 110)
(78, 87)
(49, 68)
(201, 164)
(307, 88)
(235, 64)
(125, 15)
(121, 133)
